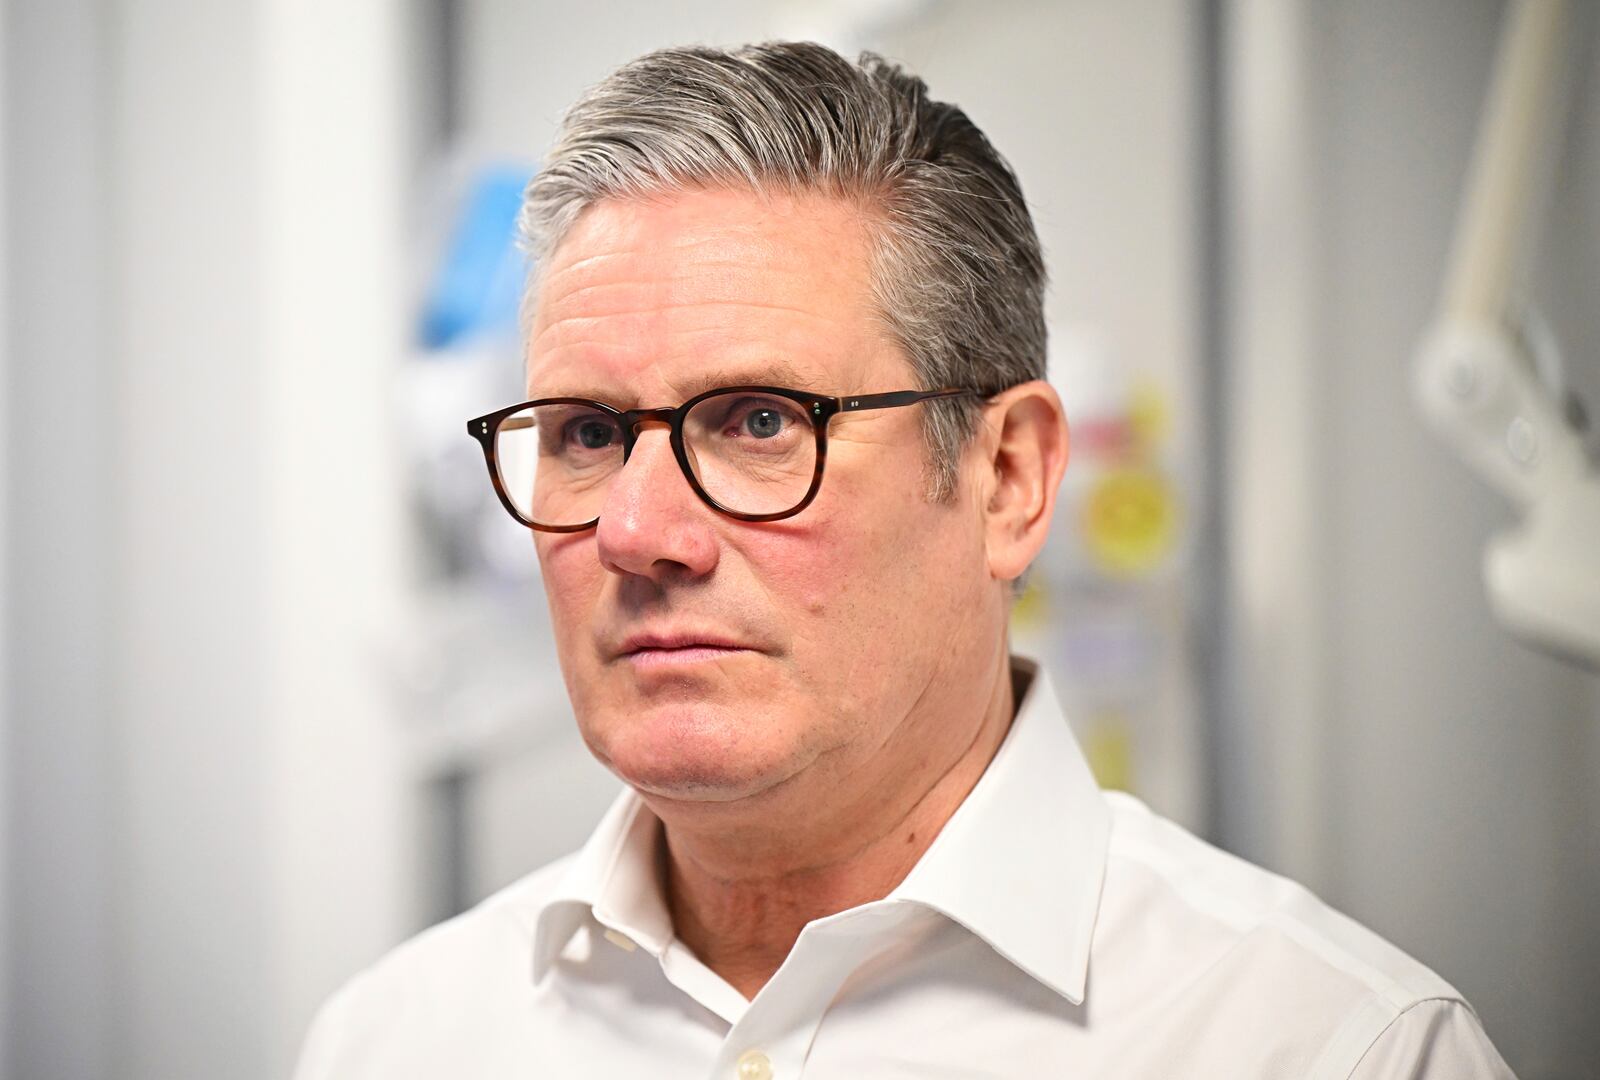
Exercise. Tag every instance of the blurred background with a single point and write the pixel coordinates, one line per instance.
(276, 680)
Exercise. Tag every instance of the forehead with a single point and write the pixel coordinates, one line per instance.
(645, 297)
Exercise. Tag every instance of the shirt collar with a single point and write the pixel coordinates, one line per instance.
(1019, 864)
(614, 878)
(1021, 861)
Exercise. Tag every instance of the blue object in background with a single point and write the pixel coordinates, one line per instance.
(478, 284)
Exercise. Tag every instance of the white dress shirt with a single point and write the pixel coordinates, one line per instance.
(1050, 930)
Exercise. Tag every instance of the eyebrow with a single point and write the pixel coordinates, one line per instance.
(774, 372)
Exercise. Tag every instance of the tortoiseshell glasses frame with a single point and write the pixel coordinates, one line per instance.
(819, 408)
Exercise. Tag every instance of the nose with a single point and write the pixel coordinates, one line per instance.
(652, 524)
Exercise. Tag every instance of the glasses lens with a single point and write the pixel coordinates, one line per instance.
(555, 461)
(753, 453)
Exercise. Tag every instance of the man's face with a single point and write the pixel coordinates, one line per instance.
(710, 659)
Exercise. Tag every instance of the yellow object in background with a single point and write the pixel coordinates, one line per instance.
(1108, 746)
(1149, 416)
(1129, 520)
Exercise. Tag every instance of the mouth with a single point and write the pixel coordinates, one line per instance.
(659, 650)
(689, 654)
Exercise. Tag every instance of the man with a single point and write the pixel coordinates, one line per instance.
(786, 452)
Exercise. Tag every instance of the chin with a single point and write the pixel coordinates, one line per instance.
(689, 753)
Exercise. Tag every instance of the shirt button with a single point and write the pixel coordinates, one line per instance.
(754, 1065)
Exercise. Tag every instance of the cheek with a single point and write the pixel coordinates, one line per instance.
(572, 577)
(851, 585)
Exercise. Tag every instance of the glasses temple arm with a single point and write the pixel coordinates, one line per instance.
(898, 398)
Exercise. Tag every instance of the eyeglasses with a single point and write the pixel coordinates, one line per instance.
(754, 453)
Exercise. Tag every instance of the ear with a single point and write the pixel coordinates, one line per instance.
(1025, 451)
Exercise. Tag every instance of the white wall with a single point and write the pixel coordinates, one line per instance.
(5, 580)
(57, 408)
(189, 528)
(207, 793)
(259, 555)
(1439, 775)
(341, 832)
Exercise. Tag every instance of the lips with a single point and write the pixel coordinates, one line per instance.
(673, 641)
(679, 646)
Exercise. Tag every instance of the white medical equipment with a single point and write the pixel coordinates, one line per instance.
(1488, 374)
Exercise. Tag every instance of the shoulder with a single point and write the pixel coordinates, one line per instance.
(1238, 899)
(476, 935)
(468, 968)
(1262, 951)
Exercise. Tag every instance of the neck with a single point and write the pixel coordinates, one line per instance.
(739, 896)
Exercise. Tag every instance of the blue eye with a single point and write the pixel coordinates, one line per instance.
(764, 423)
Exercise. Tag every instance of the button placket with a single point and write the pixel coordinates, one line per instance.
(777, 1031)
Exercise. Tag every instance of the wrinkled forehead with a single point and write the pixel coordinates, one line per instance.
(645, 295)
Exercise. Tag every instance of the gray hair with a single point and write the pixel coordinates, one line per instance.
(957, 272)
